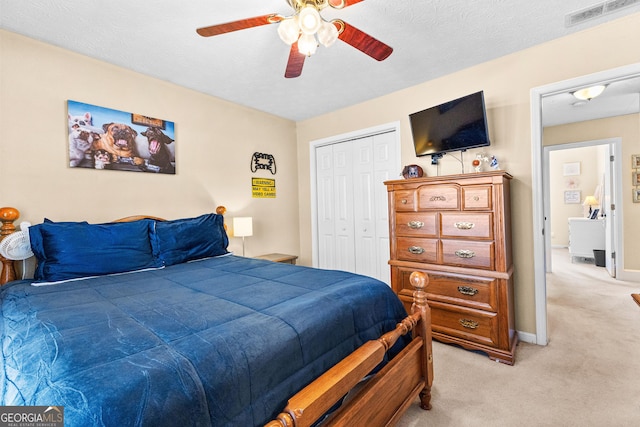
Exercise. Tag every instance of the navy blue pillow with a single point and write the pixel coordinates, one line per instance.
(183, 240)
(69, 250)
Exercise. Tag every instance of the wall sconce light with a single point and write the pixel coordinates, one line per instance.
(243, 227)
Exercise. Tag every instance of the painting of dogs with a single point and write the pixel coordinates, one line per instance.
(160, 156)
(102, 138)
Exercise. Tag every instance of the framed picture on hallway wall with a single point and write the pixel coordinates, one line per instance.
(636, 195)
(635, 161)
(572, 197)
(571, 169)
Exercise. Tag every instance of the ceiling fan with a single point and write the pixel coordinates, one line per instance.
(305, 29)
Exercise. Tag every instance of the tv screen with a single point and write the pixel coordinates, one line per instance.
(453, 126)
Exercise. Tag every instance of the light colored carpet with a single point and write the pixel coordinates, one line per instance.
(588, 374)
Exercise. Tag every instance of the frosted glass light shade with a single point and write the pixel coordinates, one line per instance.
(307, 44)
(589, 92)
(309, 20)
(288, 30)
(243, 226)
(327, 34)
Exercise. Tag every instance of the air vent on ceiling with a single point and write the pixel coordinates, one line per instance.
(597, 11)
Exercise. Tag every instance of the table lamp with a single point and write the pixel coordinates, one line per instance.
(243, 227)
(590, 201)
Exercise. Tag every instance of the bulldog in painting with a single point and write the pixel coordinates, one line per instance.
(118, 140)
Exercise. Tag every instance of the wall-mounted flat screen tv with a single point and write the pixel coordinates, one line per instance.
(453, 126)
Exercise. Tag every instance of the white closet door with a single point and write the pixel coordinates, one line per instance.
(385, 168)
(366, 253)
(343, 203)
(352, 217)
(325, 206)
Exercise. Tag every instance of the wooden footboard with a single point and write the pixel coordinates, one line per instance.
(382, 399)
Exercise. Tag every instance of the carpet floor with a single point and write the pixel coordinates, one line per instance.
(588, 374)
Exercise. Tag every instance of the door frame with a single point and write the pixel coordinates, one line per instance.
(336, 139)
(537, 188)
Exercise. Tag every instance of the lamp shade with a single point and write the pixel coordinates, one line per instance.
(243, 226)
(590, 201)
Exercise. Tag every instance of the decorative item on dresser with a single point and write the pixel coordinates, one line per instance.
(457, 229)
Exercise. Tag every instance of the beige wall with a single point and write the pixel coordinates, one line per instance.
(507, 82)
(215, 140)
(628, 129)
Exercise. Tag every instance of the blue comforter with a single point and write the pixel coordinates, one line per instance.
(223, 341)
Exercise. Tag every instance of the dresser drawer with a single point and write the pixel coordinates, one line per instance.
(477, 292)
(468, 254)
(417, 249)
(405, 200)
(438, 197)
(476, 197)
(468, 324)
(469, 291)
(424, 224)
(476, 225)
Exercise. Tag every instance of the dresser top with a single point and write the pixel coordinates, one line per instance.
(448, 178)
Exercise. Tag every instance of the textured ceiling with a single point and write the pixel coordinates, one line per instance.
(430, 38)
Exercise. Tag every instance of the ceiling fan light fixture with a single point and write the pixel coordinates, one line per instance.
(588, 93)
(307, 44)
(309, 20)
(289, 30)
(327, 34)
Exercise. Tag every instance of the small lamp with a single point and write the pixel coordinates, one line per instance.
(243, 227)
(590, 201)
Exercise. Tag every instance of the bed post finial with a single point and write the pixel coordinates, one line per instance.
(221, 210)
(419, 281)
(7, 216)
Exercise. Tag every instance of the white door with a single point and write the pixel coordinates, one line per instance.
(352, 213)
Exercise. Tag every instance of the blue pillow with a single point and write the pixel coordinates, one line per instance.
(70, 250)
(183, 240)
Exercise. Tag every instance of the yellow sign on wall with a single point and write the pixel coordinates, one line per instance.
(263, 188)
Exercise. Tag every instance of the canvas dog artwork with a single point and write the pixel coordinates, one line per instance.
(106, 139)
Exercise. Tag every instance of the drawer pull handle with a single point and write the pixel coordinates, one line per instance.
(467, 290)
(416, 250)
(464, 225)
(469, 324)
(476, 198)
(403, 201)
(465, 253)
(415, 224)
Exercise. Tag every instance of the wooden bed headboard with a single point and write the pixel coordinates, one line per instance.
(9, 215)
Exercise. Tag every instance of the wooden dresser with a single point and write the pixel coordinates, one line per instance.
(457, 229)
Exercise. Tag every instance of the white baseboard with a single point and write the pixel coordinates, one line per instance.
(528, 337)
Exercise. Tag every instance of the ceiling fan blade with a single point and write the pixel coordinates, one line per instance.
(363, 41)
(295, 63)
(241, 24)
(339, 4)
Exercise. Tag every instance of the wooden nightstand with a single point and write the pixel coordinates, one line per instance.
(283, 258)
